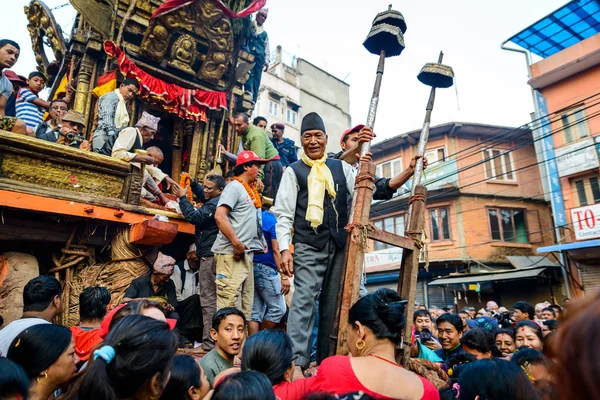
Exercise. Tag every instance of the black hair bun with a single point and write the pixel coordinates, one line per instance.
(390, 310)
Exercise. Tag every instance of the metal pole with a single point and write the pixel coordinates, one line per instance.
(366, 147)
(423, 142)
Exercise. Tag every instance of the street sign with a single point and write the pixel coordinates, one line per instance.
(576, 157)
(586, 222)
(383, 260)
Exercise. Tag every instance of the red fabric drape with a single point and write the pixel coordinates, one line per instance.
(172, 5)
(187, 103)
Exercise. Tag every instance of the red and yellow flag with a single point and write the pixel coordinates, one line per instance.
(106, 84)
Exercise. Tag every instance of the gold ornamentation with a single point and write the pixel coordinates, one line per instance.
(183, 53)
(360, 344)
(42, 29)
(42, 380)
(178, 34)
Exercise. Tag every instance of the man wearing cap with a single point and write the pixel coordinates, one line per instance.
(206, 234)
(285, 147)
(351, 141)
(238, 217)
(157, 283)
(313, 201)
(69, 132)
(185, 276)
(126, 142)
(17, 82)
(256, 140)
(258, 46)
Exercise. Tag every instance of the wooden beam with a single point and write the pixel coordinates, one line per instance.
(407, 284)
(392, 239)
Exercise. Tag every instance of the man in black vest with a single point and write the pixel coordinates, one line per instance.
(313, 201)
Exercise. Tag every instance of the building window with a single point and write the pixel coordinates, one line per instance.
(508, 225)
(574, 125)
(588, 190)
(389, 169)
(392, 225)
(273, 108)
(435, 155)
(440, 225)
(498, 165)
(291, 116)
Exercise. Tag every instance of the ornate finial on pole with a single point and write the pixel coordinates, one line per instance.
(436, 75)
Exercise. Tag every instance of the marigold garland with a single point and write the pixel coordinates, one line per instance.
(186, 181)
(252, 192)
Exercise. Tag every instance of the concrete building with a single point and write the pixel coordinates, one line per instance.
(486, 215)
(293, 87)
(566, 82)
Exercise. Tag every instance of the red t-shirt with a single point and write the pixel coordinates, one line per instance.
(85, 341)
(335, 375)
(294, 390)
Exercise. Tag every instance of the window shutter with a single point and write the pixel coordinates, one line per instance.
(534, 226)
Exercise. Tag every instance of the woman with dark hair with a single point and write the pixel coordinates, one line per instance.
(529, 334)
(270, 352)
(14, 383)
(505, 341)
(246, 385)
(375, 324)
(134, 362)
(143, 307)
(187, 381)
(480, 343)
(494, 379)
(534, 363)
(575, 350)
(47, 354)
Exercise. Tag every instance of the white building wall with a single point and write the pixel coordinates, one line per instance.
(312, 89)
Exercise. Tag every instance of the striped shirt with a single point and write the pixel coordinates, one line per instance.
(26, 110)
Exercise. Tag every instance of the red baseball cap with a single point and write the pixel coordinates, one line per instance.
(246, 157)
(357, 128)
(15, 78)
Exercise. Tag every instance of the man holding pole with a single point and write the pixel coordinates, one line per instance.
(314, 199)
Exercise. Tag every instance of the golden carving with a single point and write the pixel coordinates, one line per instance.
(43, 29)
(183, 53)
(49, 174)
(182, 30)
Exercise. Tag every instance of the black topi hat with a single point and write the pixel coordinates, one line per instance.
(312, 121)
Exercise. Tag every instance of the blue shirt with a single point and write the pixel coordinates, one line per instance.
(268, 224)
(288, 154)
(26, 110)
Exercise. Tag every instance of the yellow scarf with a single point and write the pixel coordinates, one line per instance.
(319, 181)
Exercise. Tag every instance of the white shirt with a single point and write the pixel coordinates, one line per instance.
(12, 330)
(125, 142)
(190, 287)
(287, 196)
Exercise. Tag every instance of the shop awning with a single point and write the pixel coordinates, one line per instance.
(523, 262)
(586, 252)
(575, 21)
(490, 277)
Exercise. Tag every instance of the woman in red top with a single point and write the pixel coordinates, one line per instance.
(375, 323)
(270, 352)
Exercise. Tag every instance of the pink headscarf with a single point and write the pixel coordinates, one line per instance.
(164, 264)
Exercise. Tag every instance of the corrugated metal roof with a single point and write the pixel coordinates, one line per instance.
(497, 276)
(521, 262)
(569, 25)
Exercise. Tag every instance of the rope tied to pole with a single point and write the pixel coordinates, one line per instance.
(359, 233)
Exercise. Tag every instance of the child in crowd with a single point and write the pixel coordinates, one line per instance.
(30, 108)
(228, 331)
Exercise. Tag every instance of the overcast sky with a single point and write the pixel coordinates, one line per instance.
(491, 84)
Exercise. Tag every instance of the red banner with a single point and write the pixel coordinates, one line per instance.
(172, 5)
(187, 103)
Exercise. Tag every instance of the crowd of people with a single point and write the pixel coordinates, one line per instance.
(131, 352)
(256, 295)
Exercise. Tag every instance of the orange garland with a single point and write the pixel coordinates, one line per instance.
(252, 192)
(186, 181)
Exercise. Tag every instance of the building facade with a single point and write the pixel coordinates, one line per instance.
(485, 203)
(566, 82)
(293, 87)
